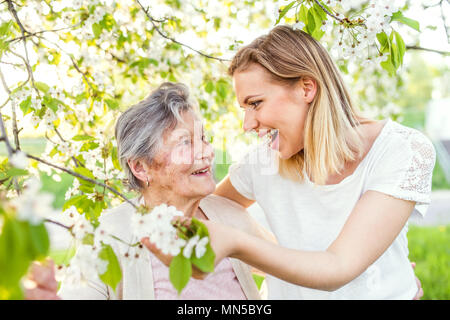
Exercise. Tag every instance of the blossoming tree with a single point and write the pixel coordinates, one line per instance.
(69, 67)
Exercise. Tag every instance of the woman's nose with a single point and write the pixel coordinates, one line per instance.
(205, 151)
(250, 121)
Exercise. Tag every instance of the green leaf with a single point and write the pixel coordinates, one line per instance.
(394, 52)
(201, 229)
(180, 272)
(16, 172)
(384, 42)
(88, 239)
(115, 158)
(42, 86)
(25, 105)
(89, 146)
(113, 274)
(222, 89)
(5, 28)
(400, 45)
(284, 11)
(96, 29)
(15, 255)
(387, 65)
(40, 242)
(82, 137)
(319, 15)
(206, 262)
(303, 14)
(209, 87)
(112, 104)
(319, 11)
(398, 16)
(96, 210)
(311, 23)
(74, 201)
(85, 172)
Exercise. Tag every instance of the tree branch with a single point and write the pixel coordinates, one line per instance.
(57, 223)
(82, 177)
(328, 12)
(445, 53)
(23, 31)
(13, 109)
(153, 20)
(9, 149)
(42, 31)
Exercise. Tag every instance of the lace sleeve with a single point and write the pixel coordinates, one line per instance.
(405, 170)
(419, 174)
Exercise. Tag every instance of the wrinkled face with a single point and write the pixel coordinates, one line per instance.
(272, 108)
(182, 167)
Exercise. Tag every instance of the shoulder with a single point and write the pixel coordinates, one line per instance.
(406, 153)
(409, 142)
(119, 216)
(217, 203)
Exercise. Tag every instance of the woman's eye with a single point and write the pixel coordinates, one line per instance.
(186, 141)
(254, 104)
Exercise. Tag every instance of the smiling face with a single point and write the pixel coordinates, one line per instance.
(182, 167)
(269, 105)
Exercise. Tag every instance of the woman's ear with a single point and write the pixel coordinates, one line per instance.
(309, 86)
(140, 169)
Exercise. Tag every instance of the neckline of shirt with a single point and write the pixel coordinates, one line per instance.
(360, 165)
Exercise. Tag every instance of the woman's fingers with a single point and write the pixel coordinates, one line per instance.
(43, 274)
(164, 258)
(40, 293)
(41, 283)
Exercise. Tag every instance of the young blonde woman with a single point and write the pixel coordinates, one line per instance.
(345, 187)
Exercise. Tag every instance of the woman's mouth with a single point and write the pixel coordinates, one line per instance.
(202, 172)
(273, 139)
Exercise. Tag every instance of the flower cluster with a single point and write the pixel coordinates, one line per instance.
(199, 244)
(157, 225)
(358, 41)
(33, 205)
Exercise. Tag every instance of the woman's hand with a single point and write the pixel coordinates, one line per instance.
(41, 283)
(222, 240)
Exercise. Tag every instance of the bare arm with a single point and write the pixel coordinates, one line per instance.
(373, 225)
(225, 189)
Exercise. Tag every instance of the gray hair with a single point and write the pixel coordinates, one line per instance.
(139, 130)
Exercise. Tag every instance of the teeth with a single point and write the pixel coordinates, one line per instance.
(201, 171)
(271, 135)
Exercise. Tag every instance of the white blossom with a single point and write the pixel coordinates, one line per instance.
(82, 227)
(298, 26)
(32, 205)
(192, 242)
(157, 225)
(200, 248)
(84, 266)
(19, 160)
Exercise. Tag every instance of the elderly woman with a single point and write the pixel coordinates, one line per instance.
(167, 159)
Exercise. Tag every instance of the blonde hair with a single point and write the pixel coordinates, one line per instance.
(332, 136)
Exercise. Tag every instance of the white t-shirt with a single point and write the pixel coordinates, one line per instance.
(305, 216)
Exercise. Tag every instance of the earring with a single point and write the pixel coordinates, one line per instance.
(147, 183)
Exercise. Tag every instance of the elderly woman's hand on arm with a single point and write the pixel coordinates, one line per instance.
(41, 283)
